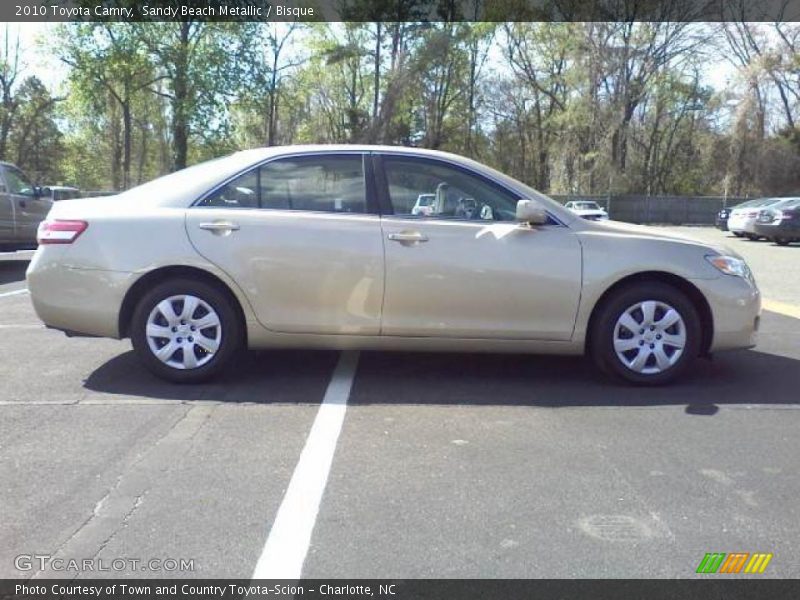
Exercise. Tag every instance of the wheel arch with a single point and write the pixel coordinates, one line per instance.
(695, 296)
(156, 276)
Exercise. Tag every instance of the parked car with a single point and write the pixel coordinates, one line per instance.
(23, 206)
(61, 192)
(781, 222)
(722, 219)
(587, 209)
(424, 204)
(742, 219)
(325, 253)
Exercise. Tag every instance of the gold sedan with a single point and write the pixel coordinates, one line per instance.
(329, 247)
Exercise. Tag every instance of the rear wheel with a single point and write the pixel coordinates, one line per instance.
(185, 330)
(646, 333)
(750, 236)
(737, 233)
(783, 242)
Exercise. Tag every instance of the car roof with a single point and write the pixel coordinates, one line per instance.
(788, 201)
(180, 187)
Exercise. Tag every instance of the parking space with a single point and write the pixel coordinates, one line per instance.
(446, 465)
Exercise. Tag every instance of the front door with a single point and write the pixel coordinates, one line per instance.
(465, 268)
(29, 209)
(298, 238)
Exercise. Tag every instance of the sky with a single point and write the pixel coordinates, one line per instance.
(719, 74)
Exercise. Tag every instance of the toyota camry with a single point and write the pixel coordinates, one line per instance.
(320, 247)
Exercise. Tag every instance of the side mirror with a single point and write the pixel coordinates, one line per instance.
(531, 212)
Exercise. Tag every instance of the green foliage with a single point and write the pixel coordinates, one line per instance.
(570, 107)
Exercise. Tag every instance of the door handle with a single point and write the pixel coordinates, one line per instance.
(408, 237)
(220, 227)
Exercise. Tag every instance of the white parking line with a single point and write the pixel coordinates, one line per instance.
(782, 308)
(14, 293)
(287, 544)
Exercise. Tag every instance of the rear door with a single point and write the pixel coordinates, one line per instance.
(300, 237)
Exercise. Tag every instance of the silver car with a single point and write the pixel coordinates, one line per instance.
(22, 207)
(318, 247)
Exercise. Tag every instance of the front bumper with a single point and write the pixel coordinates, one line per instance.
(735, 305)
(77, 301)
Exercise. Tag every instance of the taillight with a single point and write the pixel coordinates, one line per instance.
(60, 232)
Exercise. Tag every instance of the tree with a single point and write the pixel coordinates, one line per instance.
(35, 140)
(200, 63)
(109, 60)
(9, 72)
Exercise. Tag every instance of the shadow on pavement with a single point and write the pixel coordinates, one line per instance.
(417, 378)
(743, 377)
(265, 377)
(12, 270)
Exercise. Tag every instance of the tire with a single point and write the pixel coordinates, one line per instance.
(782, 241)
(607, 327)
(737, 233)
(751, 237)
(211, 351)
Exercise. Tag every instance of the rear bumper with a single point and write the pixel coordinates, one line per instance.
(737, 224)
(78, 301)
(735, 309)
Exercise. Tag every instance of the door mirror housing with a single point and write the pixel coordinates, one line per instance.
(531, 212)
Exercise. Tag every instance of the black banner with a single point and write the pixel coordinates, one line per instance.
(399, 10)
(712, 588)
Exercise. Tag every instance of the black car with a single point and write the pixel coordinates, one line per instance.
(781, 223)
(722, 219)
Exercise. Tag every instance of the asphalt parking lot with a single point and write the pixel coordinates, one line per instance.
(444, 465)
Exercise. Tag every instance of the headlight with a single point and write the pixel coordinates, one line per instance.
(730, 265)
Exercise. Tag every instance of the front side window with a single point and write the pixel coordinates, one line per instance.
(313, 183)
(18, 183)
(423, 188)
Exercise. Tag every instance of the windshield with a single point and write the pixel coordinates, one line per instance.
(587, 205)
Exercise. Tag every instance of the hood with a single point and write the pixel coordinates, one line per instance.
(618, 228)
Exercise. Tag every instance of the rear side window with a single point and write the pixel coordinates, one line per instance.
(333, 183)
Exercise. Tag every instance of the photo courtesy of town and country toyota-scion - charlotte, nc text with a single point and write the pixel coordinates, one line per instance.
(231, 590)
(168, 12)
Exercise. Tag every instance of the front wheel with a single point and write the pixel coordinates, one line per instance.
(647, 333)
(185, 331)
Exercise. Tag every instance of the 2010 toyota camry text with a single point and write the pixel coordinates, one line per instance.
(368, 247)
